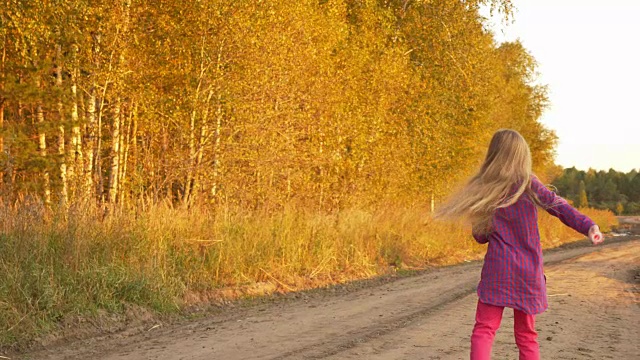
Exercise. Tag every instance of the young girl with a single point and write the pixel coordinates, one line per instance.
(501, 201)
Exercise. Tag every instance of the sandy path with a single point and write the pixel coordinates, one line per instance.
(594, 314)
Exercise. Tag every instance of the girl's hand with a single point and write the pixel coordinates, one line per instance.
(595, 235)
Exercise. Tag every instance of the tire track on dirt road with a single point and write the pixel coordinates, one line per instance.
(381, 328)
(594, 309)
(463, 293)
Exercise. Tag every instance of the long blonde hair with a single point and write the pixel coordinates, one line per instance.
(507, 165)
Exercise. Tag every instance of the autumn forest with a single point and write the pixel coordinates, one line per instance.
(323, 103)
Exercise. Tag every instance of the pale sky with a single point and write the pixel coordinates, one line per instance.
(588, 53)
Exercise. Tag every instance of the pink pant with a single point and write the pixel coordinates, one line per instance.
(488, 319)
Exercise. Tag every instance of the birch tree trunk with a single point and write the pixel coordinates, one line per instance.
(217, 156)
(115, 153)
(186, 199)
(3, 171)
(91, 136)
(76, 136)
(64, 191)
(202, 142)
(90, 163)
(165, 171)
(194, 154)
(98, 149)
(118, 118)
(216, 145)
(131, 137)
(42, 147)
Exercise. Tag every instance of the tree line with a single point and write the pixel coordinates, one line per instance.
(325, 103)
(613, 190)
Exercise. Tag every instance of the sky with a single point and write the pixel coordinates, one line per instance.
(588, 54)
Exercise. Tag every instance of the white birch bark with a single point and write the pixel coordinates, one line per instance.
(217, 156)
(2, 101)
(192, 153)
(91, 135)
(115, 153)
(42, 147)
(131, 137)
(64, 191)
(202, 142)
(76, 136)
(116, 145)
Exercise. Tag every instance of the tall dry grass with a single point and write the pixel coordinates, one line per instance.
(57, 265)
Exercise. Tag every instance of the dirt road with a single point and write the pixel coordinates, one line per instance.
(594, 314)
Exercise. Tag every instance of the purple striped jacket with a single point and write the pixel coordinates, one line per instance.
(512, 274)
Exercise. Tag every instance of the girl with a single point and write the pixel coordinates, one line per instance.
(500, 200)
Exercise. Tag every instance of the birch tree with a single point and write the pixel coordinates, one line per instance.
(330, 104)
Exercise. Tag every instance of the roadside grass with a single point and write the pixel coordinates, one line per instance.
(80, 263)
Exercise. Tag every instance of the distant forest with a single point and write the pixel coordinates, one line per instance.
(613, 190)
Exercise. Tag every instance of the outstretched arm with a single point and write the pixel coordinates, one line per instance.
(560, 208)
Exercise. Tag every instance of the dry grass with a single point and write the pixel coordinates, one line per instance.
(55, 266)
